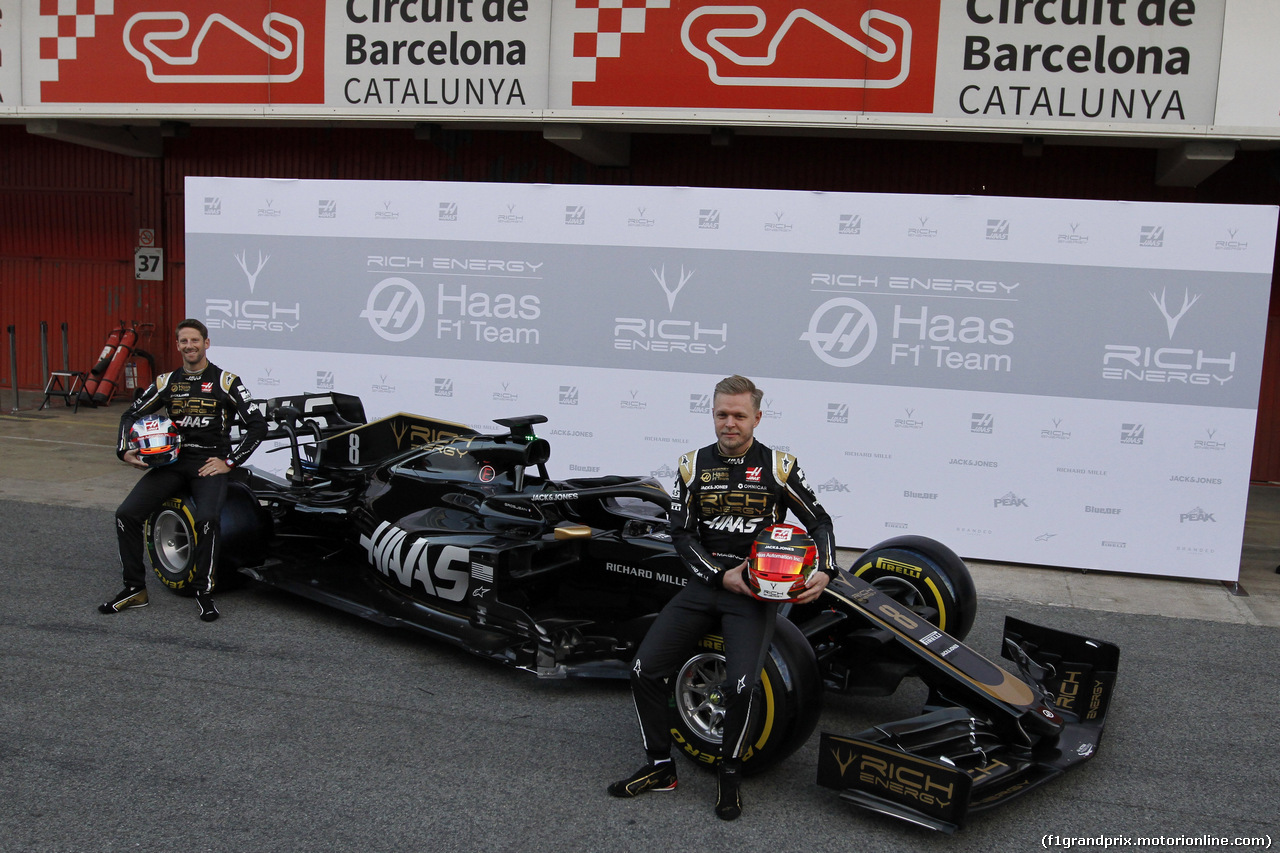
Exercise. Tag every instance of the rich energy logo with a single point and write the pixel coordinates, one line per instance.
(648, 334)
(252, 315)
(1167, 364)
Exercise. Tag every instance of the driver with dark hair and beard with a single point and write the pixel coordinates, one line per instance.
(724, 495)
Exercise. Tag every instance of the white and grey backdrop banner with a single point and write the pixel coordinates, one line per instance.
(1058, 382)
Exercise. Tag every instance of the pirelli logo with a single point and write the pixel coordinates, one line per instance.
(897, 567)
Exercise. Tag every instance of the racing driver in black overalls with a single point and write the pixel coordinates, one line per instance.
(724, 495)
(202, 400)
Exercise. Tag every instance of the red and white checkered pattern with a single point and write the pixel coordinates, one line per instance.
(612, 19)
(74, 19)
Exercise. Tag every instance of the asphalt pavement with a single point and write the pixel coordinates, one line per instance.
(285, 726)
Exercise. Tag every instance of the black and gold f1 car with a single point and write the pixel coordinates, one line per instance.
(432, 526)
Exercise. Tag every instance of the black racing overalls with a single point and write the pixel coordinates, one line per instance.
(202, 406)
(718, 506)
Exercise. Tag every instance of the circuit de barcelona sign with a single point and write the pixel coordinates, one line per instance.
(1055, 382)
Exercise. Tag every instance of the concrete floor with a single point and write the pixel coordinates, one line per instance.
(63, 457)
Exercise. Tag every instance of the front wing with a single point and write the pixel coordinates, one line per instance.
(936, 769)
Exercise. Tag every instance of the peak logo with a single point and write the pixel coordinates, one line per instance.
(141, 51)
(837, 55)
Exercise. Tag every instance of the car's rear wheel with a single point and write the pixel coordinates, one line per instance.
(790, 694)
(926, 576)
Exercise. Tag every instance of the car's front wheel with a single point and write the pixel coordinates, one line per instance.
(790, 693)
(171, 539)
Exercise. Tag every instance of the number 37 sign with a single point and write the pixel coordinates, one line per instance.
(148, 263)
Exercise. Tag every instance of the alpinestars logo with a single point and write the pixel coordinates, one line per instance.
(842, 332)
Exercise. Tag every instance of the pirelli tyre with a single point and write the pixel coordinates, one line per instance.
(790, 690)
(171, 539)
(926, 576)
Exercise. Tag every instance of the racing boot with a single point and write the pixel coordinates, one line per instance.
(729, 798)
(127, 599)
(207, 611)
(655, 776)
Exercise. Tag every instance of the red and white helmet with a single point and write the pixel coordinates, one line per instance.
(782, 559)
(156, 439)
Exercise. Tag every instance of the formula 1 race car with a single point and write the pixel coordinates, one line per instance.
(432, 526)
